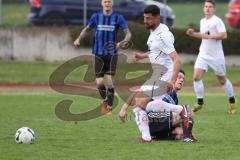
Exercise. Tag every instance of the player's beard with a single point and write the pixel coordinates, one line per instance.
(148, 26)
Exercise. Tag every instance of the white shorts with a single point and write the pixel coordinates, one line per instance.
(217, 65)
(156, 88)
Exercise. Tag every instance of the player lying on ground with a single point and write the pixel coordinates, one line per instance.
(161, 118)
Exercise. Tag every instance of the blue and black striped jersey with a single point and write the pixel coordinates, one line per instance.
(170, 97)
(106, 28)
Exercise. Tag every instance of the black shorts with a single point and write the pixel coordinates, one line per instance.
(105, 65)
(160, 125)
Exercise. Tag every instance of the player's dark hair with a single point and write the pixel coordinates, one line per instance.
(153, 9)
(211, 1)
(182, 71)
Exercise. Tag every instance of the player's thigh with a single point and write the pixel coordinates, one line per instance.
(142, 101)
(218, 66)
(98, 64)
(158, 105)
(198, 74)
(111, 64)
(201, 65)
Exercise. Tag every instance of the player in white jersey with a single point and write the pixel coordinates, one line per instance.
(212, 32)
(161, 53)
(161, 49)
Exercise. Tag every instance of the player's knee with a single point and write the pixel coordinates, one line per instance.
(110, 85)
(100, 81)
(139, 104)
(100, 86)
(222, 81)
(142, 102)
(196, 78)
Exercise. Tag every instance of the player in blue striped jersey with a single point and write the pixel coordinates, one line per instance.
(106, 24)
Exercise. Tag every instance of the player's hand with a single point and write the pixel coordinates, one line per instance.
(77, 42)
(123, 45)
(190, 32)
(118, 45)
(137, 56)
(122, 115)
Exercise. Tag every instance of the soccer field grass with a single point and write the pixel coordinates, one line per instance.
(17, 72)
(105, 137)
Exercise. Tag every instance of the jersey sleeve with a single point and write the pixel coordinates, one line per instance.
(220, 26)
(165, 99)
(122, 23)
(170, 98)
(167, 39)
(92, 22)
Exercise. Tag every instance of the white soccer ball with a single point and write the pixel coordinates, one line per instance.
(24, 135)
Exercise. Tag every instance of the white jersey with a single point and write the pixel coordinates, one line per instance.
(211, 49)
(160, 45)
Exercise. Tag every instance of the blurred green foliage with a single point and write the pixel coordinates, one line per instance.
(183, 43)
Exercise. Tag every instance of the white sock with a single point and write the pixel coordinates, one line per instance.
(158, 105)
(141, 119)
(228, 88)
(198, 89)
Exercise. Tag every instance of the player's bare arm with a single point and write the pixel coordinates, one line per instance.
(176, 66)
(138, 56)
(123, 112)
(218, 36)
(127, 38)
(82, 35)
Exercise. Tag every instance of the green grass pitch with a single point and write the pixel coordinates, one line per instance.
(105, 137)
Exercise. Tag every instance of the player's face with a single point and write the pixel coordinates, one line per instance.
(180, 81)
(150, 21)
(208, 9)
(107, 5)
